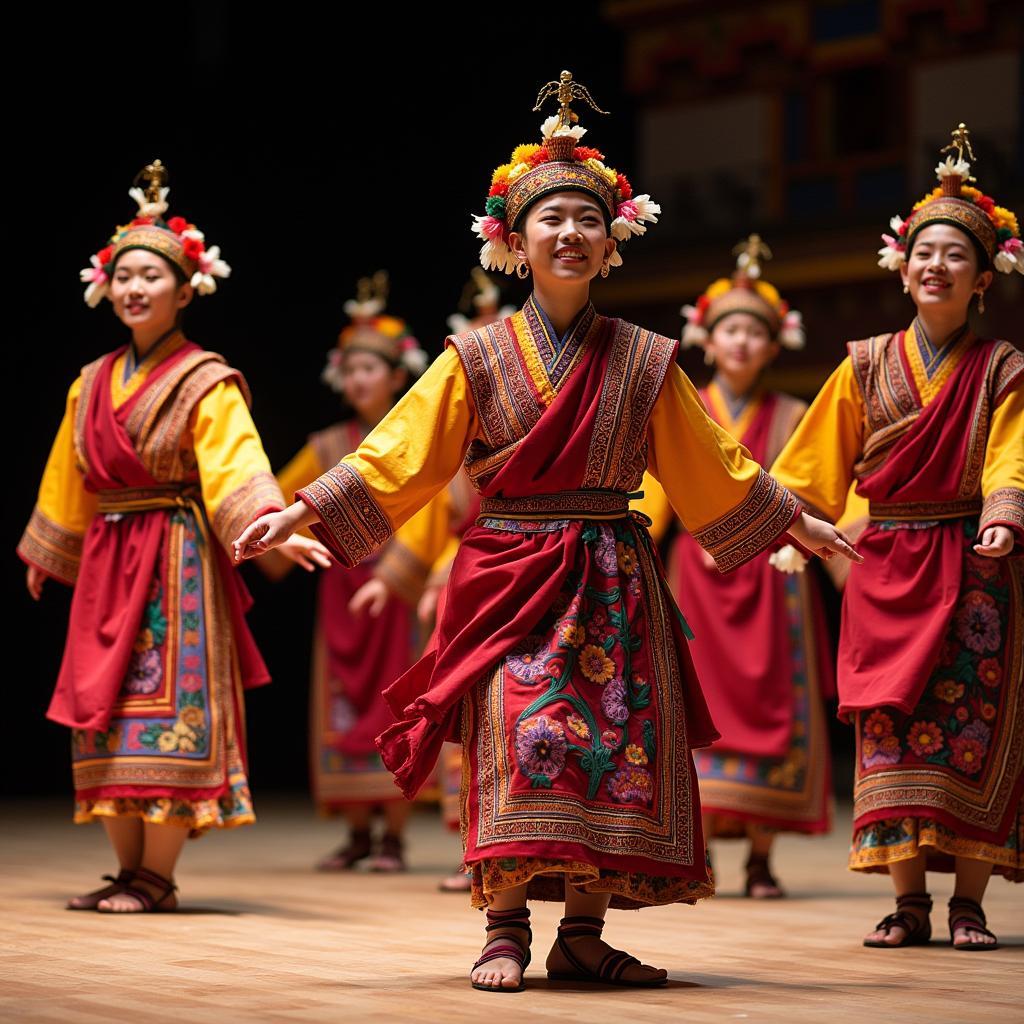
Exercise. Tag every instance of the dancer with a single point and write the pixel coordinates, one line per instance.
(156, 464)
(356, 655)
(761, 651)
(560, 659)
(929, 422)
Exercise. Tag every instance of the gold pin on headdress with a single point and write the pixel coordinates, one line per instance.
(155, 176)
(371, 297)
(750, 255)
(566, 91)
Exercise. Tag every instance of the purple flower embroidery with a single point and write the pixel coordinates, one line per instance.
(613, 701)
(604, 551)
(978, 731)
(540, 746)
(881, 750)
(526, 660)
(977, 623)
(631, 784)
(144, 672)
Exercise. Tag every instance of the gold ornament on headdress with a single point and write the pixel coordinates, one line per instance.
(961, 140)
(566, 90)
(751, 254)
(155, 176)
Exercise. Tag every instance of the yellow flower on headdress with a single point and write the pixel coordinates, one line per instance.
(500, 174)
(768, 292)
(518, 170)
(522, 153)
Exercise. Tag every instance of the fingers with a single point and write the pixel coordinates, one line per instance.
(360, 599)
(844, 547)
(247, 543)
(377, 605)
(34, 581)
(321, 556)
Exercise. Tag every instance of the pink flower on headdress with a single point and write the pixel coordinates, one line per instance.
(96, 277)
(1009, 258)
(490, 228)
(209, 267)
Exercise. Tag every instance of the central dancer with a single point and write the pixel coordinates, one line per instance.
(560, 660)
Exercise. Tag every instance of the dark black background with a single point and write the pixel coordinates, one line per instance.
(313, 143)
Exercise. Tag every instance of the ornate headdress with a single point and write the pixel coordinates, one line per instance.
(558, 164)
(744, 292)
(480, 304)
(178, 241)
(371, 330)
(955, 202)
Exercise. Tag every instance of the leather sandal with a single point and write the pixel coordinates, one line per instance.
(612, 966)
(148, 903)
(506, 946)
(918, 929)
(346, 857)
(966, 913)
(91, 899)
(758, 873)
(390, 856)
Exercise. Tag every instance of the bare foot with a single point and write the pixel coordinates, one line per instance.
(591, 950)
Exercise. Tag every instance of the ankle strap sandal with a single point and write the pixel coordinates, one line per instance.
(506, 946)
(91, 900)
(918, 929)
(758, 873)
(612, 965)
(149, 904)
(966, 913)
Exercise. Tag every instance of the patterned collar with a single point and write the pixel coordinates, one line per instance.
(558, 354)
(932, 357)
(164, 346)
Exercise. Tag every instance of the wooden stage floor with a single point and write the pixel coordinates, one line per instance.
(263, 938)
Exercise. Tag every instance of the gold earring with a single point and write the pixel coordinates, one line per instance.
(605, 268)
(981, 301)
(523, 269)
(709, 357)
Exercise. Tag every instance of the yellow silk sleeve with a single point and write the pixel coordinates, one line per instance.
(817, 461)
(1002, 476)
(234, 471)
(64, 508)
(732, 508)
(403, 462)
(655, 505)
(303, 469)
(406, 561)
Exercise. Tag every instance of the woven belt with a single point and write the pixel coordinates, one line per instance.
(928, 511)
(147, 499)
(563, 505)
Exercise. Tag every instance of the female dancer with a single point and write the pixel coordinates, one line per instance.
(559, 659)
(761, 649)
(155, 466)
(929, 422)
(354, 656)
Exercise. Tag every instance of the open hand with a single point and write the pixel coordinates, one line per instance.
(995, 542)
(371, 598)
(823, 539)
(305, 551)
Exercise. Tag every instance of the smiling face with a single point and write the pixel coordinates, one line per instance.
(564, 238)
(942, 272)
(146, 292)
(370, 383)
(742, 347)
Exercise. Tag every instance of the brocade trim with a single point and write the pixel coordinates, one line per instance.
(259, 494)
(1004, 507)
(583, 504)
(765, 514)
(352, 524)
(923, 510)
(51, 547)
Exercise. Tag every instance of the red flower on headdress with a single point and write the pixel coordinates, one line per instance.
(177, 224)
(582, 153)
(986, 203)
(540, 157)
(193, 248)
(104, 256)
(702, 304)
(499, 189)
(623, 185)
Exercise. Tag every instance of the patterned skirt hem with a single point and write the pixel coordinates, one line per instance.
(730, 824)
(940, 845)
(545, 880)
(198, 816)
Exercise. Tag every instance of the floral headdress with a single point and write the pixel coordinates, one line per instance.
(480, 304)
(373, 331)
(558, 164)
(955, 202)
(744, 292)
(178, 241)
